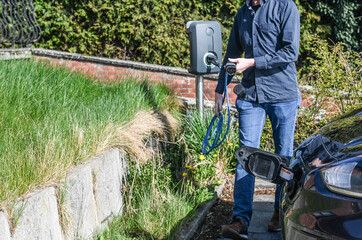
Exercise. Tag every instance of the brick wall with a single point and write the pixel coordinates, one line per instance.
(109, 70)
(184, 85)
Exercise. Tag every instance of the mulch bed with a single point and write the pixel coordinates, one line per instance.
(221, 212)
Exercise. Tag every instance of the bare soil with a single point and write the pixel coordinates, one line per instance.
(221, 213)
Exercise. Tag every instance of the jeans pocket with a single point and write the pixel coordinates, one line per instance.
(239, 104)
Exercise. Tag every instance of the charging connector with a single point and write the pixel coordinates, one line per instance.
(230, 68)
(211, 59)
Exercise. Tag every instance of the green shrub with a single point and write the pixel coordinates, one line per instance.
(310, 25)
(344, 16)
(335, 73)
(155, 31)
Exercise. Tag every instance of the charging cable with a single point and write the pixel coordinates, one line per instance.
(215, 134)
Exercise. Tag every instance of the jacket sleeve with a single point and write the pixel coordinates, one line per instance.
(290, 33)
(234, 50)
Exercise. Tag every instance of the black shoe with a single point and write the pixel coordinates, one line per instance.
(236, 230)
(274, 224)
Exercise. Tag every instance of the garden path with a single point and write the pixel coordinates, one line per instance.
(220, 213)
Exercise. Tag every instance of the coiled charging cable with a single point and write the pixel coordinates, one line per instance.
(215, 134)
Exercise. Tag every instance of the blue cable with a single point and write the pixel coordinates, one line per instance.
(206, 148)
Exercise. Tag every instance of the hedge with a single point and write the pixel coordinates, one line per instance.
(142, 30)
(154, 31)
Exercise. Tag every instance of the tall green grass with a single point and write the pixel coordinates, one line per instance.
(221, 160)
(156, 205)
(51, 119)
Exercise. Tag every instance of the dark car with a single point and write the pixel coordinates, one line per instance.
(322, 194)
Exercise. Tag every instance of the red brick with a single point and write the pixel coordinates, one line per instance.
(155, 76)
(91, 68)
(177, 87)
(82, 68)
(188, 95)
(74, 64)
(116, 72)
(89, 64)
(209, 91)
(105, 67)
(306, 103)
(183, 90)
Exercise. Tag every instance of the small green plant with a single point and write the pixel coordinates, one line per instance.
(15, 214)
(206, 170)
(64, 218)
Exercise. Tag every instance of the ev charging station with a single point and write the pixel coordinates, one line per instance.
(206, 54)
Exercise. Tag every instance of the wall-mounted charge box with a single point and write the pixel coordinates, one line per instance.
(205, 41)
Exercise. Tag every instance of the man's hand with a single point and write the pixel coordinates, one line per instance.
(218, 103)
(242, 63)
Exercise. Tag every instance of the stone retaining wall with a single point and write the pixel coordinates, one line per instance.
(91, 193)
(15, 53)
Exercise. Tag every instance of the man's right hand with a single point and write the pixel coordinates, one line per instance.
(218, 103)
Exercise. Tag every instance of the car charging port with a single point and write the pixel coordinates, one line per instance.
(294, 185)
(265, 165)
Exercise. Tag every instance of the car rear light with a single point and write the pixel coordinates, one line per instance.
(344, 178)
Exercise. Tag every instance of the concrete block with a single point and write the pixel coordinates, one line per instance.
(80, 203)
(264, 184)
(4, 227)
(39, 217)
(263, 208)
(264, 199)
(266, 236)
(107, 177)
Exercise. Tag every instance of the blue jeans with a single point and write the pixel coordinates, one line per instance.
(252, 118)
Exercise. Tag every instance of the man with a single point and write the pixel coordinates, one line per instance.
(267, 32)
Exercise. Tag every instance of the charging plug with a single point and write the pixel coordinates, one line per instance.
(230, 68)
(211, 59)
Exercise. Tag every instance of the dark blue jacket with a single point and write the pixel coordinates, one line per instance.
(271, 37)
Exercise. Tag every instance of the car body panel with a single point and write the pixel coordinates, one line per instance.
(321, 213)
(309, 209)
